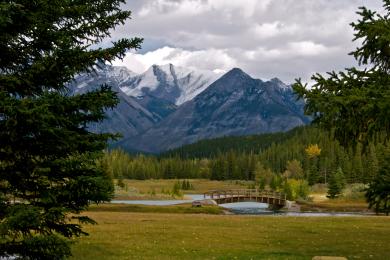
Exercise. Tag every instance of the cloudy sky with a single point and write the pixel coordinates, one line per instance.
(266, 38)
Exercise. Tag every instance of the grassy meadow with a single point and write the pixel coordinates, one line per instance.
(180, 208)
(127, 235)
(158, 189)
(199, 185)
(352, 199)
(184, 232)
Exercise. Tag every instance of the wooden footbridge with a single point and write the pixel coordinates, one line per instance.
(274, 199)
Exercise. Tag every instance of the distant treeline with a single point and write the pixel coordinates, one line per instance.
(254, 157)
(208, 148)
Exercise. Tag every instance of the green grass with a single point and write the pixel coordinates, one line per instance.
(335, 205)
(124, 235)
(143, 189)
(181, 208)
(200, 185)
(351, 200)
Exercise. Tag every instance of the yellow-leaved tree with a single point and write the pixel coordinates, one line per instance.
(312, 152)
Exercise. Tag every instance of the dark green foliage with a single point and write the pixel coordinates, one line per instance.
(122, 165)
(372, 163)
(303, 190)
(287, 190)
(262, 183)
(233, 166)
(312, 172)
(41, 247)
(186, 185)
(176, 189)
(288, 157)
(276, 182)
(378, 193)
(336, 184)
(121, 183)
(49, 161)
(293, 170)
(241, 144)
(356, 103)
(291, 146)
(356, 168)
(224, 167)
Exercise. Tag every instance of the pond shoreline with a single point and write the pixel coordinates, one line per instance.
(253, 208)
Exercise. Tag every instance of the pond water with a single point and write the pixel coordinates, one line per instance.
(241, 208)
(191, 197)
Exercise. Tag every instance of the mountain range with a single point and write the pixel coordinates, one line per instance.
(168, 106)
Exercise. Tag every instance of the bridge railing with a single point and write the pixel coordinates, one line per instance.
(217, 194)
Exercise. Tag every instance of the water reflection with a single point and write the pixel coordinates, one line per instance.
(248, 208)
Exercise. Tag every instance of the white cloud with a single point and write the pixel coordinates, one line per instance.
(307, 48)
(211, 59)
(261, 62)
(276, 28)
(246, 8)
(267, 30)
(181, 8)
(267, 38)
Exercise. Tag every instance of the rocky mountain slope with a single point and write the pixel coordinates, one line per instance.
(129, 118)
(169, 83)
(235, 104)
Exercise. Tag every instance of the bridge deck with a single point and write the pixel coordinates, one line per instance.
(231, 196)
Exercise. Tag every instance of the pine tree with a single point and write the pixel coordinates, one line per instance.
(275, 183)
(372, 166)
(378, 193)
(303, 190)
(355, 103)
(293, 170)
(120, 183)
(262, 183)
(48, 158)
(287, 190)
(336, 184)
(176, 189)
(231, 166)
(312, 174)
(357, 166)
(312, 152)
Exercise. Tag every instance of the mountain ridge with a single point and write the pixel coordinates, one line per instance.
(174, 84)
(235, 104)
(155, 120)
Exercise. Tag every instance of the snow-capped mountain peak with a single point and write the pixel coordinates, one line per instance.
(280, 84)
(174, 84)
(167, 106)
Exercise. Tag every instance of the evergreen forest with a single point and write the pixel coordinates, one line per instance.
(303, 153)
